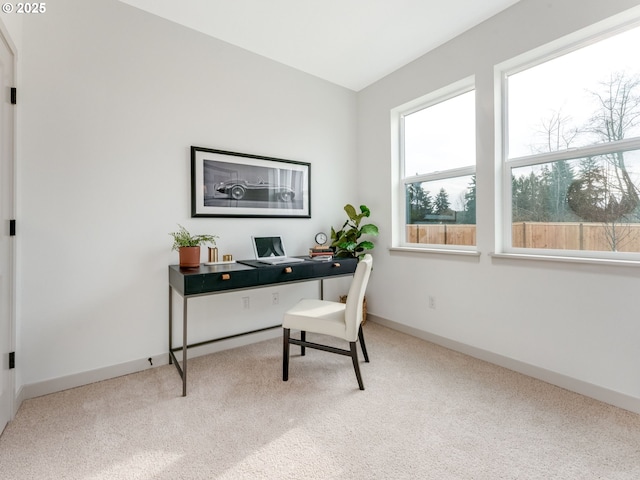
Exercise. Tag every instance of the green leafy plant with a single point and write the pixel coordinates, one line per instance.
(182, 238)
(347, 241)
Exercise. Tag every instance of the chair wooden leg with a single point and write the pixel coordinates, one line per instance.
(362, 344)
(303, 337)
(356, 367)
(285, 354)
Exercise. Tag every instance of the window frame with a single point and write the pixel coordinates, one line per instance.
(399, 240)
(505, 165)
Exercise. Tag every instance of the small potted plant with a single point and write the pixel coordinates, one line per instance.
(188, 246)
(346, 241)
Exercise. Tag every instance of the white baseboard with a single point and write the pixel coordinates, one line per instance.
(605, 395)
(611, 397)
(17, 401)
(54, 385)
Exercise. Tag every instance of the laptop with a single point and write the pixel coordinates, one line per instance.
(271, 250)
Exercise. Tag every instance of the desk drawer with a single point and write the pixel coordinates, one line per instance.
(337, 266)
(285, 273)
(219, 281)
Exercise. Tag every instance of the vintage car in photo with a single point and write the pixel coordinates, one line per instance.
(242, 189)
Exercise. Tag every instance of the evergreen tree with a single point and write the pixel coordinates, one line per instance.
(419, 203)
(588, 195)
(469, 214)
(526, 198)
(560, 179)
(544, 203)
(441, 203)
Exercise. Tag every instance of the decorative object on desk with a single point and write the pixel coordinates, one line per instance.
(347, 241)
(321, 251)
(188, 246)
(214, 258)
(322, 258)
(230, 184)
(321, 238)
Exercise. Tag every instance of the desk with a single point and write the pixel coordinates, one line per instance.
(243, 275)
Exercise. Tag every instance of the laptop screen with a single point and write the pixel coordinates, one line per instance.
(268, 247)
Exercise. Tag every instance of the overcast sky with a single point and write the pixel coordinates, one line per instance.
(442, 137)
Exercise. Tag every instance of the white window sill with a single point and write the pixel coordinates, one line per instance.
(556, 258)
(443, 251)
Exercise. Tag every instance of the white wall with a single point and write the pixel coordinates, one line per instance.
(11, 25)
(574, 324)
(111, 99)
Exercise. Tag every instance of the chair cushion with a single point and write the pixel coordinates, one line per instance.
(318, 316)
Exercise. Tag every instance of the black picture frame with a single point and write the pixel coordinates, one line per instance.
(232, 184)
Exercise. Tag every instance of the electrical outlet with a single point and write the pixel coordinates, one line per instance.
(245, 303)
(275, 298)
(432, 302)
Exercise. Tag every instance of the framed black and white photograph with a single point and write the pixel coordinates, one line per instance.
(231, 184)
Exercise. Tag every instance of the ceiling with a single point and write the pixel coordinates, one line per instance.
(352, 43)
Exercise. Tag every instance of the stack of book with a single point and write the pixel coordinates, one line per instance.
(321, 252)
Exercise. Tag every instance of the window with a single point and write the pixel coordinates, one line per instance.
(572, 152)
(437, 163)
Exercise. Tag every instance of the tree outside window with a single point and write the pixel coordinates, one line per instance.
(574, 149)
(438, 177)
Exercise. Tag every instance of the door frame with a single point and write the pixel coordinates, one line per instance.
(13, 404)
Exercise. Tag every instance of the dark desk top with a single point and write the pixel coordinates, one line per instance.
(209, 279)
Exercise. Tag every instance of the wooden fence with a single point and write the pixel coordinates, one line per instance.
(445, 234)
(561, 235)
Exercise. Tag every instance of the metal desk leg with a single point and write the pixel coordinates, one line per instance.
(182, 370)
(184, 347)
(170, 323)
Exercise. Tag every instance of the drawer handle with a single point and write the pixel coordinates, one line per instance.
(288, 270)
(226, 276)
(336, 264)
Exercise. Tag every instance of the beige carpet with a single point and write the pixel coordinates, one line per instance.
(426, 413)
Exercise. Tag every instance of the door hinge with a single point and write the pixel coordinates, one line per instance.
(14, 95)
(12, 228)
(12, 360)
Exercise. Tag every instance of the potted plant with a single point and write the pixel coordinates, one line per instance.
(347, 241)
(188, 246)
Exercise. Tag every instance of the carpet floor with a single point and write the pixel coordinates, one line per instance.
(427, 413)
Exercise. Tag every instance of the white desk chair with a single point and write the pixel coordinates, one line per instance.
(330, 318)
